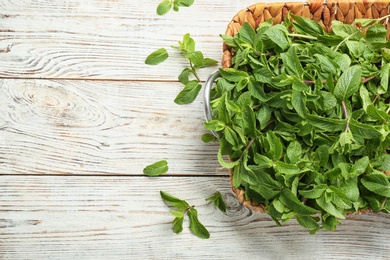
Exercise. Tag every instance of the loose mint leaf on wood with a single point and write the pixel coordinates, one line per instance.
(189, 93)
(174, 201)
(164, 7)
(218, 201)
(196, 226)
(157, 57)
(185, 2)
(157, 168)
(178, 224)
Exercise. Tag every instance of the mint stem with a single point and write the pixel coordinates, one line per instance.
(296, 35)
(194, 72)
(346, 115)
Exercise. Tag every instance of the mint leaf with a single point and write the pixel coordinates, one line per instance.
(196, 226)
(164, 7)
(329, 207)
(218, 201)
(157, 57)
(157, 168)
(291, 201)
(377, 183)
(174, 201)
(189, 93)
(185, 2)
(349, 83)
(178, 224)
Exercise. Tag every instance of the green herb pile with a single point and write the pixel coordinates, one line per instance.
(303, 116)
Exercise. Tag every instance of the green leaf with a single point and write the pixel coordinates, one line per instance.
(227, 165)
(199, 61)
(276, 146)
(307, 222)
(174, 201)
(178, 224)
(292, 63)
(377, 183)
(326, 124)
(249, 121)
(229, 40)
(278, 35)
(233, 75)
(214, 125)
(304, 25)
(346, 30)
(314, 193)
(207, 138)
(157, 57)
(164, 7)
(247, 33)
(157, 168)
(188, 43)
(382, 163)
(231, 136)
(184, 76)
(329, 207)
(218, 201)
(266, 186)
(349, 83)
(377, 114)
(177, 214)
(286, 168)
(185, 2)
(384, 74)
(263, 161)
(189, 93)
(298, 102)
(291, 201)
(196, 226)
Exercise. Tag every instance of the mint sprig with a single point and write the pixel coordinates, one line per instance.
(182, 208)
(189, 75)
(166, 5)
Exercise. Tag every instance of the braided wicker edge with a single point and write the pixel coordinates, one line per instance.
(324, 12)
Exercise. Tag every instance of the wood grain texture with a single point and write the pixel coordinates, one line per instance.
(82, 115)
(100, 127)
(105, 39)
(99, 217)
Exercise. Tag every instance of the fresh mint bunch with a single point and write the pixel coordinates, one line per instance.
(166, 5)
(303, 116)
(189, 76)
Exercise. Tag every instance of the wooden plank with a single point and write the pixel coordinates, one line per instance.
(100, 127)
(69, 217)
(105, 39)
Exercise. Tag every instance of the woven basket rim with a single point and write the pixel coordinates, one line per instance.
(322, 11)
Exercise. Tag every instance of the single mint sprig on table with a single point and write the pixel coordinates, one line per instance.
(304, 117)
(166, 5)
(189, 76)
(182, 208)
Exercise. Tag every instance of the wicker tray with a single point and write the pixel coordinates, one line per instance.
(324, 12)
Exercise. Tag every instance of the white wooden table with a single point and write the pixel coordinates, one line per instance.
(81, 115)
